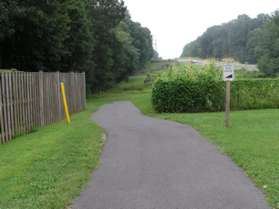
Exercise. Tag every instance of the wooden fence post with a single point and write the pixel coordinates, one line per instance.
(84, 91)
(41, 97)
(9, 104)
(2, 128)
(227, 104)
(59, 96)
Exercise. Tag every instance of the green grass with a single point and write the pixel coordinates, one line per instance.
(48, 169)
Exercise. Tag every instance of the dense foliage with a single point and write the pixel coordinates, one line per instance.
(202, 90)
(227, 40)
(244, 39)
(264, 43)
(96, 36)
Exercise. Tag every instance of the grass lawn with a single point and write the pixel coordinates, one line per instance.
(48, 168)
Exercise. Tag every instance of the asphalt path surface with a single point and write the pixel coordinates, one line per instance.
(149, 163)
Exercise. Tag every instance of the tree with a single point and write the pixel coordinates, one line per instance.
(142, 41)
(95, 36)
(227, 40)
(106, 15)
(128, 55)
(265, 44)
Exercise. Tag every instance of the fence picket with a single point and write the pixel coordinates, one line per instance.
(2, 128)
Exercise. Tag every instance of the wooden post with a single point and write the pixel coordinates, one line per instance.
(2, 126)
(9, 104)
(59, 109)
(15, 92)
(84, 91)
(228, 104)
(41, 93)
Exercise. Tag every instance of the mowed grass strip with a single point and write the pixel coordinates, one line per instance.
(48, 168)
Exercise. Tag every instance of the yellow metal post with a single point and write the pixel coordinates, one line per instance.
(66, 109)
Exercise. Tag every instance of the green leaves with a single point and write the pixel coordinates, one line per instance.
(201, 90)
(245, 39)
(95, 36)
(266, 42)
(227, 40)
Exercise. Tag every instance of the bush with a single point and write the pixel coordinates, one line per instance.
(255, 94)
(204, 91)
(187, 96)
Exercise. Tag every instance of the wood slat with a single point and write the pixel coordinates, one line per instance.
(2, 127)
(22, 100)
(15, 97)
(24, 103)
(7, 105)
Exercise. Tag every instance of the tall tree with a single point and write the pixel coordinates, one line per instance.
(105, 16)
(227, 40)
(265, 44)
(95, 36)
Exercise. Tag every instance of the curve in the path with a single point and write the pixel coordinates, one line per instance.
(149, 163)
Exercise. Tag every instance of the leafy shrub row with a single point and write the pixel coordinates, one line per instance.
(255, 94)
(205, 92)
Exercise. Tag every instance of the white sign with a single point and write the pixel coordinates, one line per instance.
(229, 72)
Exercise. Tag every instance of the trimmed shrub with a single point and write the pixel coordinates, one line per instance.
(187, 96)
(206, 94)
(255, 94)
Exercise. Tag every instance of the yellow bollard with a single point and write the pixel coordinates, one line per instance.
(66, 109)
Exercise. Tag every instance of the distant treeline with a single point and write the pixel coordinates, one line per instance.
(96, 36)
(245, 39)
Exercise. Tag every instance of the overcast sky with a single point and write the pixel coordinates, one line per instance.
(177, 22)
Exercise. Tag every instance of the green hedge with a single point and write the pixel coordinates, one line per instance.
(186, 95)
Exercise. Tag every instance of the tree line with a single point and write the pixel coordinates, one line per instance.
(95, 36)
(247, 40)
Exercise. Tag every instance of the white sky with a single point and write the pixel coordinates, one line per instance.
(177, 22)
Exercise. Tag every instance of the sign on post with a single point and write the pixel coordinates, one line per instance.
(228, 77)
(229, 72)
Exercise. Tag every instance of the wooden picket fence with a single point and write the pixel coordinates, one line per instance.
(31, 100)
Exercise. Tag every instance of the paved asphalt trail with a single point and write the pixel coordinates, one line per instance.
(155, 164)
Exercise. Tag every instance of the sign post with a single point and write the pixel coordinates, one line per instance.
(228, 78)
